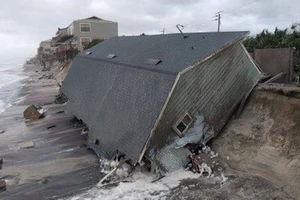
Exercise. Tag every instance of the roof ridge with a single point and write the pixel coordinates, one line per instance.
(161, 71)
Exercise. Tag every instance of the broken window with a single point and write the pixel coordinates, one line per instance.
(183, 124)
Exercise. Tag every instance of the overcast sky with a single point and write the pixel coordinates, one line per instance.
(24, 23)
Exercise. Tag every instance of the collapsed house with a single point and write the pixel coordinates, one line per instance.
(140, 94)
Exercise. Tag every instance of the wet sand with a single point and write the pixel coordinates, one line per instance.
(59, 164)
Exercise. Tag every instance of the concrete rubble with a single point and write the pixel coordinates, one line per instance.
(26, 145)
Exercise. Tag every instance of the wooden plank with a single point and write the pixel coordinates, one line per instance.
(274, 78)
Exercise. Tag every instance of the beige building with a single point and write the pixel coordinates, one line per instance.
(81, 32)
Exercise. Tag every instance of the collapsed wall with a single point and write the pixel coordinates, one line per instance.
(265, 139)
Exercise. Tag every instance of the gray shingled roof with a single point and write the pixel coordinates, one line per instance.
(119, 104)
(120, 98)
(175, 52)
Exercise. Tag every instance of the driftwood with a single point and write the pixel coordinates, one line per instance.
(113, 171)
(274, 78)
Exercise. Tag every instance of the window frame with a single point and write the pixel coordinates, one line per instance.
(187, 125)
(85, 31)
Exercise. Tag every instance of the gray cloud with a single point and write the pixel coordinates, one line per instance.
(25, 23)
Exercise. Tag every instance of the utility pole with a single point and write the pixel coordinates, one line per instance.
(163, 31)
(218, 18)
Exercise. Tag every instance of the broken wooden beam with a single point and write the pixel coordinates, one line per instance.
(112, 171)
(274, 78)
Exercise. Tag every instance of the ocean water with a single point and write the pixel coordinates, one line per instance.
(10, 77)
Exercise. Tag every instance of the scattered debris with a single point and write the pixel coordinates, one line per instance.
(2, 185)
(76, 123)
(139, 186)
(113, 171)
(2, 131)
(49, 127)
(204, 161)
(26, 145)
(44, 181)
(33, 112)
(61, 97)
(224, 179)
(85, 131)
(61, 111)
(1, 161)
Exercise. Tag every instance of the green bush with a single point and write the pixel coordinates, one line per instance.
(289, 37)
(93, 43)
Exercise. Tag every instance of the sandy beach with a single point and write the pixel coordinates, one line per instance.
(59, 164)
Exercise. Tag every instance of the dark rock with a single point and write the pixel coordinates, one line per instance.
(44, 180)
(2, 185)
(51, 126)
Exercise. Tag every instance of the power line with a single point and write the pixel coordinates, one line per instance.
(245, 5)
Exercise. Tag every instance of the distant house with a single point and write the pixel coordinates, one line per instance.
(139, 94)
(83, 31)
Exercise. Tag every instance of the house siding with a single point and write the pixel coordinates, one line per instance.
(99, 30)
(212, 89)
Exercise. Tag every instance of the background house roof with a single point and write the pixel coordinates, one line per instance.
(174, 52)
(95, 19)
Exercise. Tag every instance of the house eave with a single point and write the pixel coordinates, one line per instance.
(214, 53)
